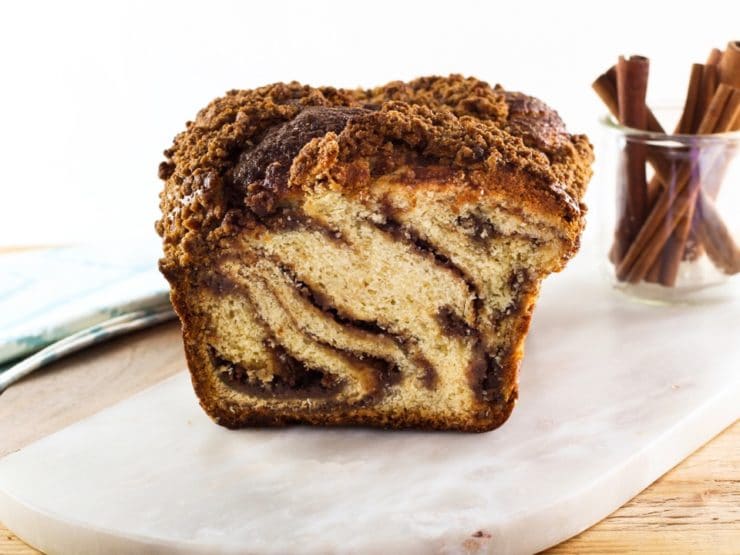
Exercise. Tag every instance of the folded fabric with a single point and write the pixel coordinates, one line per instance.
(48, 294)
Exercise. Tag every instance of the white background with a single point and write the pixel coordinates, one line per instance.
(91, 93)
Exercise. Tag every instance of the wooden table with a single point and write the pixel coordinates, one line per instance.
(694, 508)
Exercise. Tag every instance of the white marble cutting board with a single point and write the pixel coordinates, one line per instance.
(613, 394)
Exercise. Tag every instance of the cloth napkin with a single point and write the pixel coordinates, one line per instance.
(48, 294)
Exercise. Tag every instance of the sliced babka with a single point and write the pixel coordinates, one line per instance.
(366, 256)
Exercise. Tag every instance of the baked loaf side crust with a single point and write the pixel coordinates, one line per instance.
(366, 256)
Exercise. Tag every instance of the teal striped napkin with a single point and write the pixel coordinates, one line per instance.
(49, 294)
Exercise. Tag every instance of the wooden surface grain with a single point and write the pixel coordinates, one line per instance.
(694, 508)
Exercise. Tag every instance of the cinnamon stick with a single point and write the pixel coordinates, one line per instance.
(673, 253)
(686, 123)
(715, 111)
(729, 65)
(714, 57)
(632, 77)
(674, 249)
(653, 274)
(709, 82)
(605, 87)
(693, 248)
(664, 269)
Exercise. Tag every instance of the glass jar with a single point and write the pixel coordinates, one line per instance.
(673, 234)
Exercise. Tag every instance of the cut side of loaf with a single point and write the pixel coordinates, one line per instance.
(366, 257)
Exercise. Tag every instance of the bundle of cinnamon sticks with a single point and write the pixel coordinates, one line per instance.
(672, 216)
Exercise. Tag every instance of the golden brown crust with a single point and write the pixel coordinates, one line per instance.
(455, 122)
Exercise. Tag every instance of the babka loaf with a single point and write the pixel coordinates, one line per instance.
(372, 257)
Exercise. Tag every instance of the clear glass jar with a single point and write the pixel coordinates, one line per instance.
(673, 234)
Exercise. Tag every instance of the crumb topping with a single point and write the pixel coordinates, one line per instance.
(250, 149)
